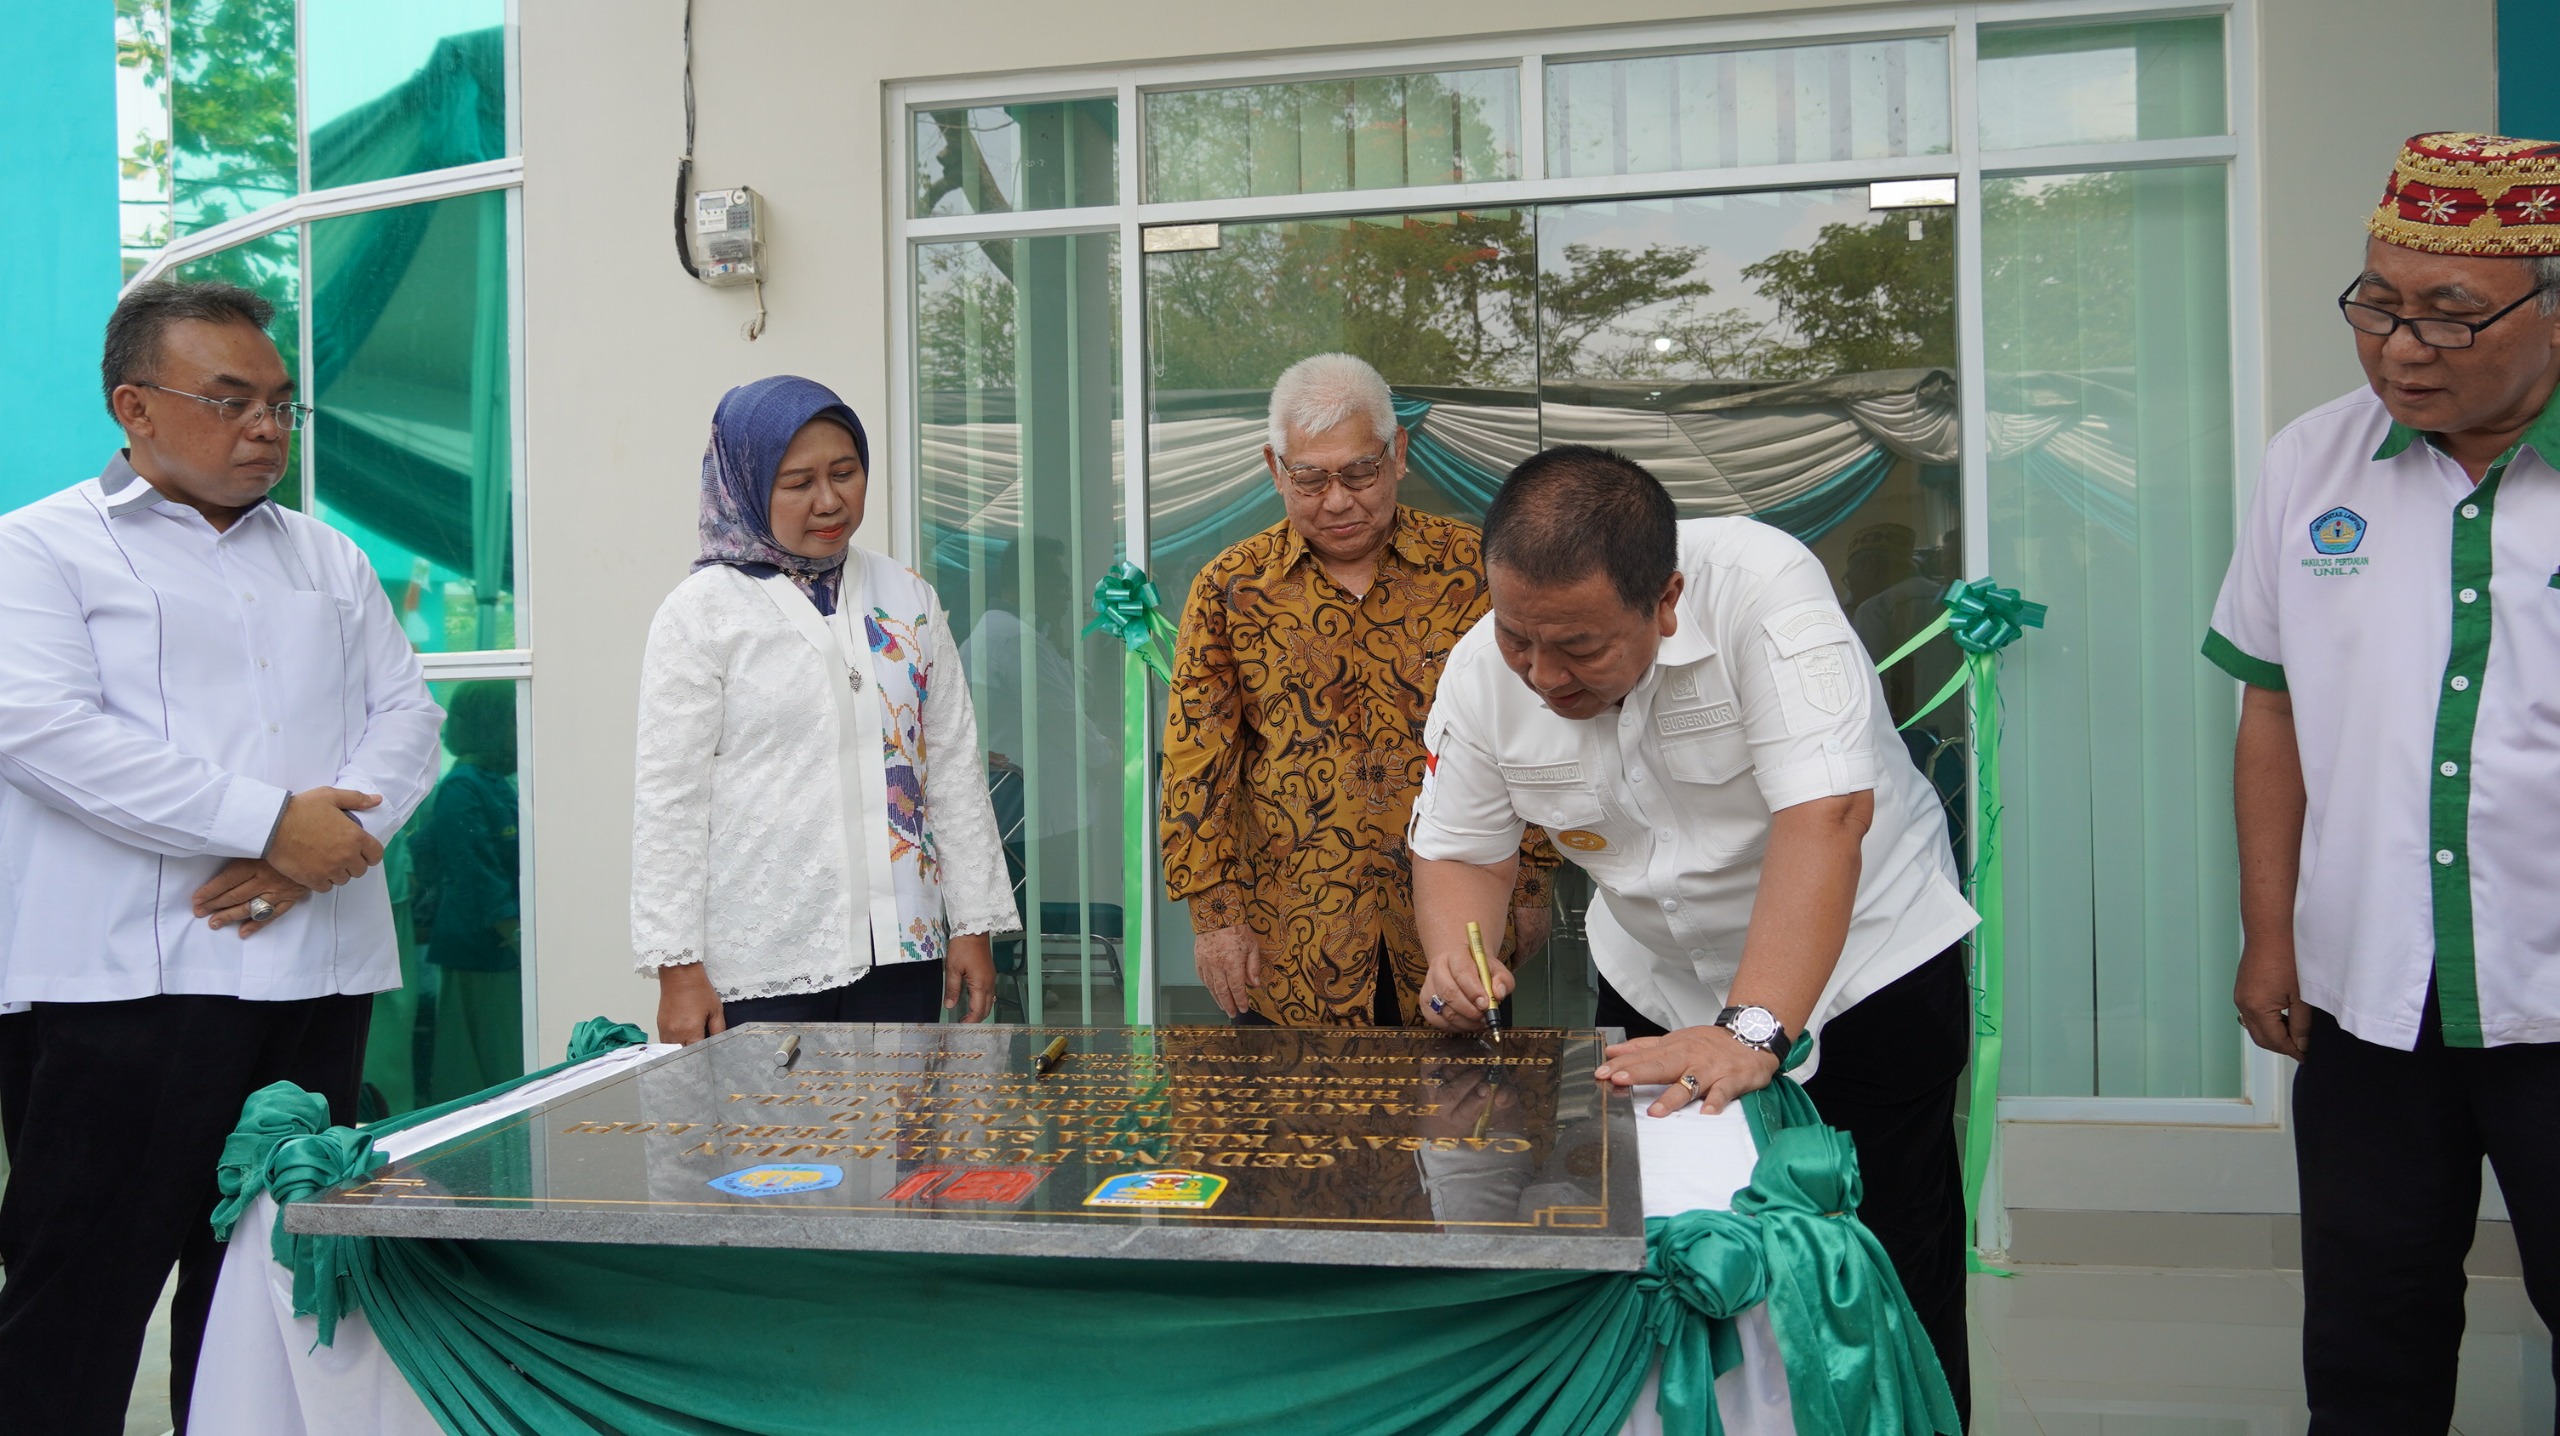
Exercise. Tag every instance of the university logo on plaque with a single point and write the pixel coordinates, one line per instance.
(1177, 1190)
(777, 1181)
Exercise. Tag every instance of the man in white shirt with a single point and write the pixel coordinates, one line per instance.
(2393, 607)
(209, 723)
(1685, 709)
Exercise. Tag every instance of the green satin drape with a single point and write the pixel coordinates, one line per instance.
(534, 1337)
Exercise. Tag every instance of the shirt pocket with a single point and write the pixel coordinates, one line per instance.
(1578, 820)
(1709, 755)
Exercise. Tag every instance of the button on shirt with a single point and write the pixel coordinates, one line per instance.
(2415, 619)
(1761, 699)
(163, 686)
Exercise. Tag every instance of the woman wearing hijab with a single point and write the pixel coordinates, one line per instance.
(811, 835)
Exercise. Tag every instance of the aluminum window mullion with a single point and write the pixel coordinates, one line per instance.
(2129, 155)
(1137, 958)
(1533, 118)
(1086, 219)
(2261, 1072)
(1988, 1223)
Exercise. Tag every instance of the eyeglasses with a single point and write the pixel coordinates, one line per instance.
(1310, 482)
(2434, 333)
(289, 416)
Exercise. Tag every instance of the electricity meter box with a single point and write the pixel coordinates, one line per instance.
(727, 236)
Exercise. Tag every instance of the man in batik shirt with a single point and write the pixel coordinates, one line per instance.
(1308, 659)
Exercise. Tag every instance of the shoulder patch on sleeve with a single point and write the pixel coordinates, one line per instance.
(1801, 626)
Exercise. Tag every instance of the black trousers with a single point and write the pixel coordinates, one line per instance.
(118, 1111)
(2388, 1146)
(889, 992)
(1888, 1077)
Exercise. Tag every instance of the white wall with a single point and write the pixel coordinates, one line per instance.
(625, 355)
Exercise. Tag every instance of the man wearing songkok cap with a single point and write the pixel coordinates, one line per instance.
(2394, 610)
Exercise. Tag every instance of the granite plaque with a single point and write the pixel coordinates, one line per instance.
(1343, 1146)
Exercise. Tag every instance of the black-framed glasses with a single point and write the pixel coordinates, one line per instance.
(2434, 333)
(1311, 482)
(289, 415)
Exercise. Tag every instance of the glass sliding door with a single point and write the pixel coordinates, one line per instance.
(1017, 402)
(2107, 314)
(1787, 355)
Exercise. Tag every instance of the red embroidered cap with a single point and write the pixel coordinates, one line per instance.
(2472, 194)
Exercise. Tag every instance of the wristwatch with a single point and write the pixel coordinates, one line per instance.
(1756, 1027)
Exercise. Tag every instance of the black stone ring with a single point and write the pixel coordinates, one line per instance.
(1690, 1081)
(260, 909)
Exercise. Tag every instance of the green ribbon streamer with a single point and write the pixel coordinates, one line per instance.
(1127, 607)
(1990, 946)
(1983, 618)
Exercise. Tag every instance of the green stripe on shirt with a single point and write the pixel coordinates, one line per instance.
(2256, 672)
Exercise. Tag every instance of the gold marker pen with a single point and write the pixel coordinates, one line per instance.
(1484, 974)
(784, 1055)
(1049, 1058)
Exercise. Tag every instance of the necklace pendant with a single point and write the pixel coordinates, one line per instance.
(854, 677)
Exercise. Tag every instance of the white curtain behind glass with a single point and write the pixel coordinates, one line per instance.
(2106, 300)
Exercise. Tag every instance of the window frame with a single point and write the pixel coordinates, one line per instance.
(1966, 162)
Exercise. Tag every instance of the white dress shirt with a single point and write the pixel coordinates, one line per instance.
(163, 687)
(1761, 699)
(2415, 618)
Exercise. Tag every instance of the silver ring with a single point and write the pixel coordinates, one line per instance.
(260, 909)
(1690, 1081)
(1437, 1006)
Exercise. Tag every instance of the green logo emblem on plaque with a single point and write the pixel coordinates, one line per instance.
(1166, 1190)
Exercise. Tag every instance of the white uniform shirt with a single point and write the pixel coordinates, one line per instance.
(1760, 700)
(2416, 622)
(162, 688)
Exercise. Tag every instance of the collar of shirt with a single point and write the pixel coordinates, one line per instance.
(128, 492)
(1688, 641)
(2543, 434)
(1405, 540)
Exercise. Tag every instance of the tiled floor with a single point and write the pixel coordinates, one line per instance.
(2100, 1351)
(2116, 1351)
(147, 1414)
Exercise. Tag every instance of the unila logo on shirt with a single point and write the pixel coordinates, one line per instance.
(2337, 532)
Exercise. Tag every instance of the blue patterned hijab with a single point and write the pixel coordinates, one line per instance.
(749, 432)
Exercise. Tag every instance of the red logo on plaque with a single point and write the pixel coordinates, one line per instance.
(996, 1186)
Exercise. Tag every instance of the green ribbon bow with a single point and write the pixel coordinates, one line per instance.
(1126, 606)
(1985, 618)
(285, 1146)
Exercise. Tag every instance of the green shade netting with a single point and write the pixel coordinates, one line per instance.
(542, 1338)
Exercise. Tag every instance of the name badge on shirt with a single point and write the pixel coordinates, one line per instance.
(1719, 715)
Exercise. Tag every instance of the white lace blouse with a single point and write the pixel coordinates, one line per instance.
(739, 858)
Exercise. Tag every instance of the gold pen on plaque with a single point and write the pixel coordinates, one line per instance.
(787, 1053)
(1484, 974)
(1049, 1058)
